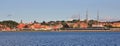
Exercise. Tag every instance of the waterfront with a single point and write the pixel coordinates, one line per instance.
(59, 39)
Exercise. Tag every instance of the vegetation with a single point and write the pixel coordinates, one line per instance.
(43, 23)
(13, 24)
(65, 25)
(9, 23)
(91, 22)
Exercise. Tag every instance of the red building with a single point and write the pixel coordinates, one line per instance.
(21, 26)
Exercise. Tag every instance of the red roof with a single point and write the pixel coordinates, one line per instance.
(20, 26)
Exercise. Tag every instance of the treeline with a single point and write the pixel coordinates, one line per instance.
(13, 24)
(64, 23)
(9, 23)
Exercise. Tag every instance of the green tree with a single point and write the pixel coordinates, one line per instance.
(9, 23)
(74, 21)
(65, 25)
(91, 22)
(43, 23)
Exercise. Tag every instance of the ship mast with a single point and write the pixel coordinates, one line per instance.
(87, 16)
(79, 17)
(98, 16)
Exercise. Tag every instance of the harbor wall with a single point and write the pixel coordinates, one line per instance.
(114, 29)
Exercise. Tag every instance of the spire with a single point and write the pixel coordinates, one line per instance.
(21, 21)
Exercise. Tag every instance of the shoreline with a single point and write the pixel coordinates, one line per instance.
(110, 30)
(66, 31)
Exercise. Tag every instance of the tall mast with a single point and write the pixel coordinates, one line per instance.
(98, 15)
(79, 17)
(87, 16)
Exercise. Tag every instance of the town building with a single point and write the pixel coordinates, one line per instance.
(4, 28)
(79, 24)
(115, 24)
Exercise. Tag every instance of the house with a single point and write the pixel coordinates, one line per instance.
(115, 24)
(58, 26)
(35, 26)
(80, 24)
(4, 28)
(21, 26)
(1, 27)
(83, 24)
(103, 24)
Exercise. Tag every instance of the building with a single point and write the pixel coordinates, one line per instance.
(103, 24)
(4, 28)
(115, 24)
(20, 26)
(35, 26)
(79, 24)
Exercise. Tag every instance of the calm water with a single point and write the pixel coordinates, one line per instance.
(59, 38)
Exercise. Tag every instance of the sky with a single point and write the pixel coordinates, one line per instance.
(55, 10)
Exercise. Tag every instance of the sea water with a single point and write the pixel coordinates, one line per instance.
(59, 38)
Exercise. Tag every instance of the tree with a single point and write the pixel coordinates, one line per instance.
(75, 21)
(9, 23)
(91, 22)
(65, 25)
(62, 21)
(43, 23)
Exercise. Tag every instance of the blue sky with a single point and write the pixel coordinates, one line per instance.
(47, 10)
